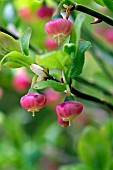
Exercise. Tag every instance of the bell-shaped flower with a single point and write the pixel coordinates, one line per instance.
(33, 102)
(58, 29)
(68, 110)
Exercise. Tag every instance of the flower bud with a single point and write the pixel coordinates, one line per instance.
(58, 29)
(38, 71)
(68, 110)
(45, 12)
(63, 123)
(33, 102)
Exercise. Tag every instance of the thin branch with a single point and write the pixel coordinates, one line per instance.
(94, 85)
(85, 96)
(93, 13)
(91, 98)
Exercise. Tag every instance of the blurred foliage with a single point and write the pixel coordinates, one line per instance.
(39, 143)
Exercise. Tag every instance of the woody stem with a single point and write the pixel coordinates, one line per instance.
(93, 13)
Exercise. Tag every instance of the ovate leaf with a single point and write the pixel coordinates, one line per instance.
(78, 61)
(8, 44)
(16, 59)
(109, 4)
(24, 41)
(55, 59)
(50, 83)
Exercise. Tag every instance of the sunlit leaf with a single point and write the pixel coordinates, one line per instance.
(55, 59)
(76, 31)
(8, 44)
(100, 2)
(24, 41)
(15, 59)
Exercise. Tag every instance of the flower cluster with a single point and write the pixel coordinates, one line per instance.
(57, 29)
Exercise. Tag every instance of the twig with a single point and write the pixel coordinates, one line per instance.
(91, 98)
(94, 85)
(85, 96)
(93, 13)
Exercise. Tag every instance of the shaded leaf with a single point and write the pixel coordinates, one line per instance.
(94, 148)
(75, 167)
(69, 48)
(50, 83)
(109, 4)
(78, 61)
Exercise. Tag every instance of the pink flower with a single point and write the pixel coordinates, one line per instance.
(45, 12)
(63, 123)
(21, 81)
(33, 102)
(50, 44)
(25, 13)
(58, 29)
(109, 35)
(52, 95)
(68, 110)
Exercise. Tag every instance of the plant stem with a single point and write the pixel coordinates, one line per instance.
(91, 98)
(93, 13)
(86, 96)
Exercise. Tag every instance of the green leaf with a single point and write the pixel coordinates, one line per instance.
(8, 44)
(94, 148)
(108, 128)
(24, 41)
(55, 59)
(109, 4)
(68, 167)
(50, 83)
(16, 59)
(69, 48)
(77, 30)
(75, 167)
(100, 2)
(78, 61)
